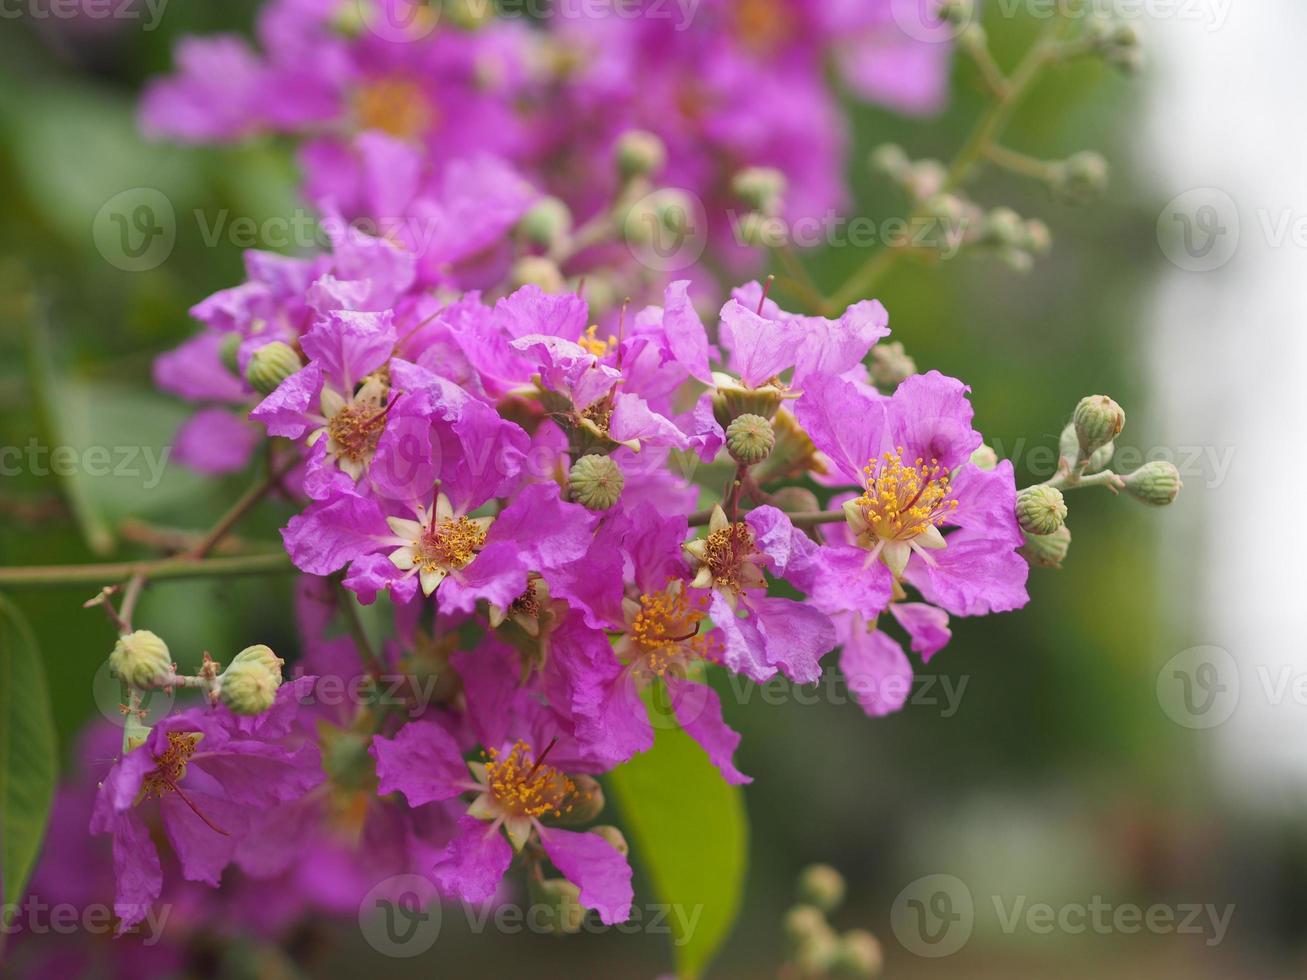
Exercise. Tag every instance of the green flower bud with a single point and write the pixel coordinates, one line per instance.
(822, 887)
(795, 500)
(1098, 420)
(1100, 457)
(249, 684)
(1081, 179)
(984, 458)
(558, 904)
(595, 482)
(262, 654)
(231, 345)
(1157, 483)
(1047, 550)
(761, 188)
(750, 439)
(270, 365)
(666, 210)
(1038, 238)
(803, 924)
(536, 270)
(757, 230)
(614, 837)
(640, 153)
(811, 938)
(140, 658)
(858, 956)
(1003, 226)
(891, 365)
(890, 160)
(547, 222)
(1040, 509)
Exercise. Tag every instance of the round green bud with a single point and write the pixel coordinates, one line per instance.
(140, 658)
(794, 500)
(1003, 226)
(536, 270)
(925, 178)
(822, 887)
(891, 365)
(640, 153)
(750, 439)
(249, 686)
(1040, 509)
(262, 654)
(1100, 457)
(858, 956)
(758, 230)
(1038, 238)
(614, 837)
(595, 482)
(984, 458)
(804, 924)
(546, 222)
(1098, 420)
(890, 160)
(1047, 550)
(1157, 483)
(270, 365)
(761, 188)
(231, 345)
(557, 903)
(667, 208)
(1082, 178)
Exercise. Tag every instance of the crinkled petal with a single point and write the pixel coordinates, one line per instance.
(422, 761)
(598, 868)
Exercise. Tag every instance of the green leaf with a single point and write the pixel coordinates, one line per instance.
(27, 753)
(689, 828)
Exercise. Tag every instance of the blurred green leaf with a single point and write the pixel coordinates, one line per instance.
(690, 830)
(27, 753)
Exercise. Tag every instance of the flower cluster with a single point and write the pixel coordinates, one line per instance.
(571, 512)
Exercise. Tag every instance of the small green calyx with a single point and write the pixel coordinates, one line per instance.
(1156, 483)
(557, 902)
(750, 439)
(1040, 509)
(141, 659)
(640, 153)
(595, 482)
(270, 365)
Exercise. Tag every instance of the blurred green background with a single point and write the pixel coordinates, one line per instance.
(1057, 777)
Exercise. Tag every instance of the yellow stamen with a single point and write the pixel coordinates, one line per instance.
(524, 786)
(665, 633)
(902, 501)
(594, 345)
(397, 106)
(449, 545)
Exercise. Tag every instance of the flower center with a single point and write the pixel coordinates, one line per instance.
(763, 25)
(726, 552)
(902, 501)
(449, 544)
(397, 106)
(665, 632)
(597, 347)
(355, 431)
(524, 786)
(170, 767)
